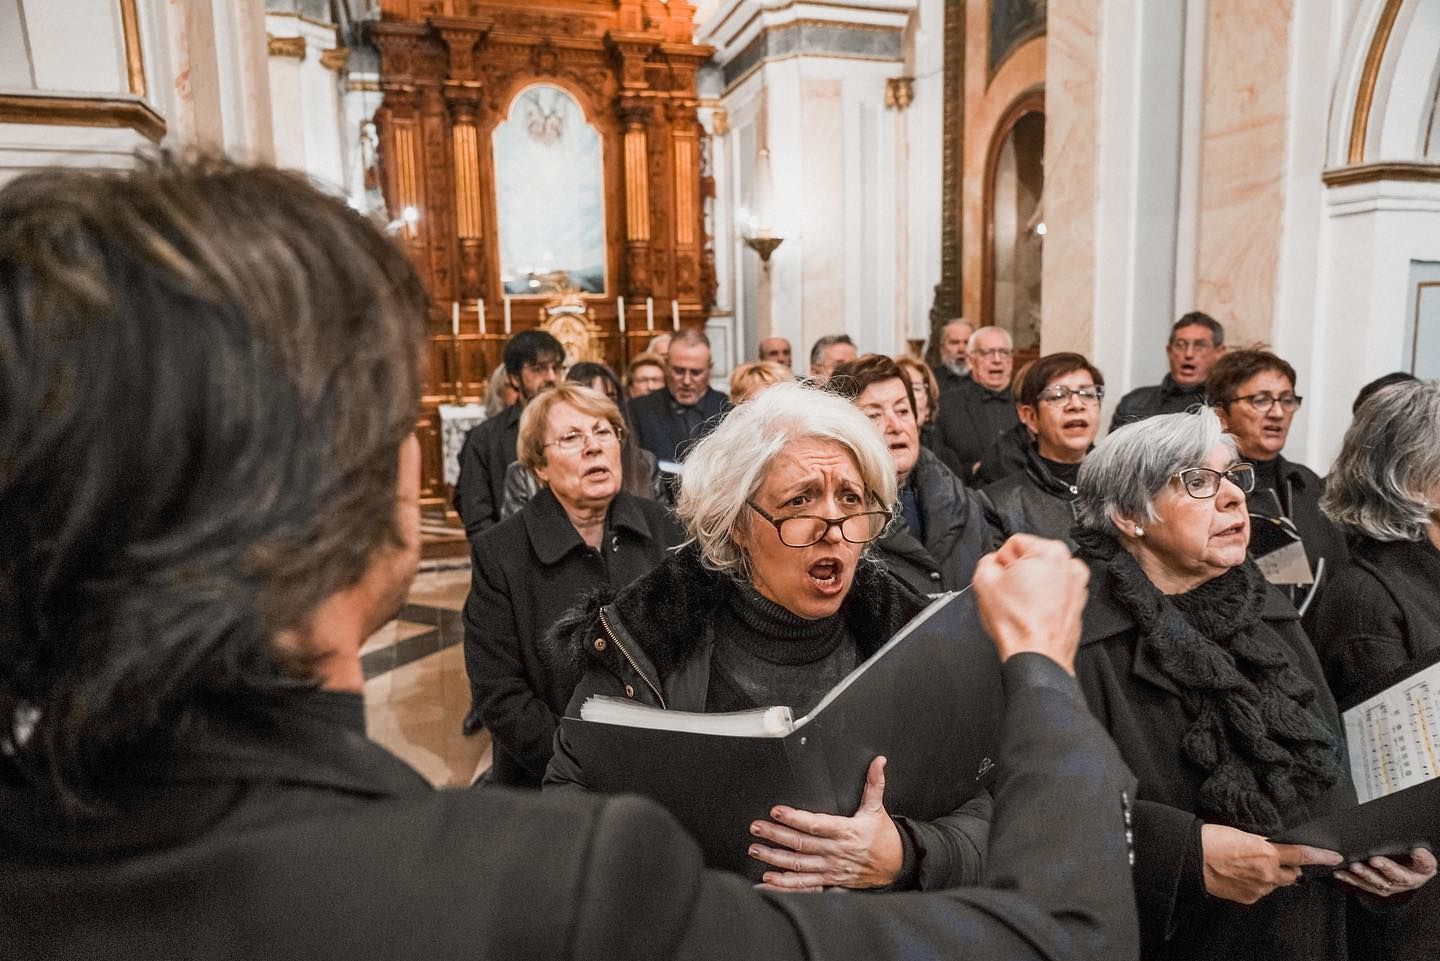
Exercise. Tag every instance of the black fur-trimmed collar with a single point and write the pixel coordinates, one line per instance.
(667, 612)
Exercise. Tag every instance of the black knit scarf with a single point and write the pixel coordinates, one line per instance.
(1254, 731)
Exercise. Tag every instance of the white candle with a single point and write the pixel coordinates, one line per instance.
(650, 313)
(480, 312)
(675, 314)
(507, 316)
(620, 312)
(455, 318)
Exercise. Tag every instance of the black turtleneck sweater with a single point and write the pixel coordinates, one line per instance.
(1066, 473)
(765, 655)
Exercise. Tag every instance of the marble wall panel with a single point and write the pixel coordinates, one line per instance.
(1071, 176)
(1242, 165)
(822, 189)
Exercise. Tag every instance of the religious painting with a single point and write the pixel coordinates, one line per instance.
(550, 202)
(1012, 22)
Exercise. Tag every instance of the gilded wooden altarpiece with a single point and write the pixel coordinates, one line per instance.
(450, 71)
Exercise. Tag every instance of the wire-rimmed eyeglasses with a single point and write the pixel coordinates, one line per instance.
(803, 530)
(574, 440)
(1061, 394)
(1203, 482)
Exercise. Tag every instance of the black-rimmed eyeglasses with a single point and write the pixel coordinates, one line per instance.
(1203, 482)
(1263, 402)
(803, 530)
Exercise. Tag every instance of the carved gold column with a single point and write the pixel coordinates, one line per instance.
(689, 218)
(635, 117)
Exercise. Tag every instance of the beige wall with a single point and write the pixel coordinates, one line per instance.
(1071, 185)
(1242, 165)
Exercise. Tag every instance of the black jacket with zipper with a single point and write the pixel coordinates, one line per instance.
(653, 641)
(1033, 501)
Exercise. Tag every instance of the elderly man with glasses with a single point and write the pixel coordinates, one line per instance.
(664, 420)
(975, 414)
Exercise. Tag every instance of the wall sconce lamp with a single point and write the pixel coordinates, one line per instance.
(764, 245)
(757, 238)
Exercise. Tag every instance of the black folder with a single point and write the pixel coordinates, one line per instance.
(1392, 824)
(930, 701)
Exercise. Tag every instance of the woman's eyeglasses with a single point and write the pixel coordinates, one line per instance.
(1061, 394)
(803, 530)
(1263, 402)
(576, 440)
(1204, 482)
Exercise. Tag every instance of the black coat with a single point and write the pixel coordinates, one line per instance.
(525, 572)
(1166, 397)
(1005, 456)
(1033, 501)
(662, 425)
(291, 837)
(1380, 612)
(1141, 709)
(488, 450)
(662, 626)
(947, 378)
(971, 418)
(956, 532)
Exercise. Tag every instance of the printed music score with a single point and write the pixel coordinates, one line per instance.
(1394, 737)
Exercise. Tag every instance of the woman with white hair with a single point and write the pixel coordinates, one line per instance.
(772, 603)
(1203, 676)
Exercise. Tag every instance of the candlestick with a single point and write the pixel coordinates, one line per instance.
(650, 314)
(675, 314)
(455, 318)
(480, 311)
(620, 312)
(507, 316)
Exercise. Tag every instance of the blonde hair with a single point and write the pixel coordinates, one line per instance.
(727, 467)
(749, 379)
(530, 444)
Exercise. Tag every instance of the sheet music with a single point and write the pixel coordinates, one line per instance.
(1394, 737)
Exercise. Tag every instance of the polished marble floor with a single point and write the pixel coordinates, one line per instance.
(416, 692)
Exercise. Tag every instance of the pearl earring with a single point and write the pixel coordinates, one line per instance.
(1139, 531)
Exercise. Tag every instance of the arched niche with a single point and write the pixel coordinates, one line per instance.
(1015, 223)
(549, 194)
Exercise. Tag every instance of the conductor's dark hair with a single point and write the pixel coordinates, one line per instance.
(206, 376)
(531, 347)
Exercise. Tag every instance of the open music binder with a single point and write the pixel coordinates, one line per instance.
(1393, 735)
(930, 700)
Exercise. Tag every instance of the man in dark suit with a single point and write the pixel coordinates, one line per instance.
(1197, 341)
(197, 544)
(975, 414)
(952, 341)
(533, 359)
(665, 419)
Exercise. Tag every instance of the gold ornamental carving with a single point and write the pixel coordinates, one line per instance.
(335, 58)
(291, 47)
(899, 92)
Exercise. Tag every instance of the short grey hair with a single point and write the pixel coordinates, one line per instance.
(1389, 465)
(970, 344)
(817, 352)
(727, 467)
(1127, 470)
